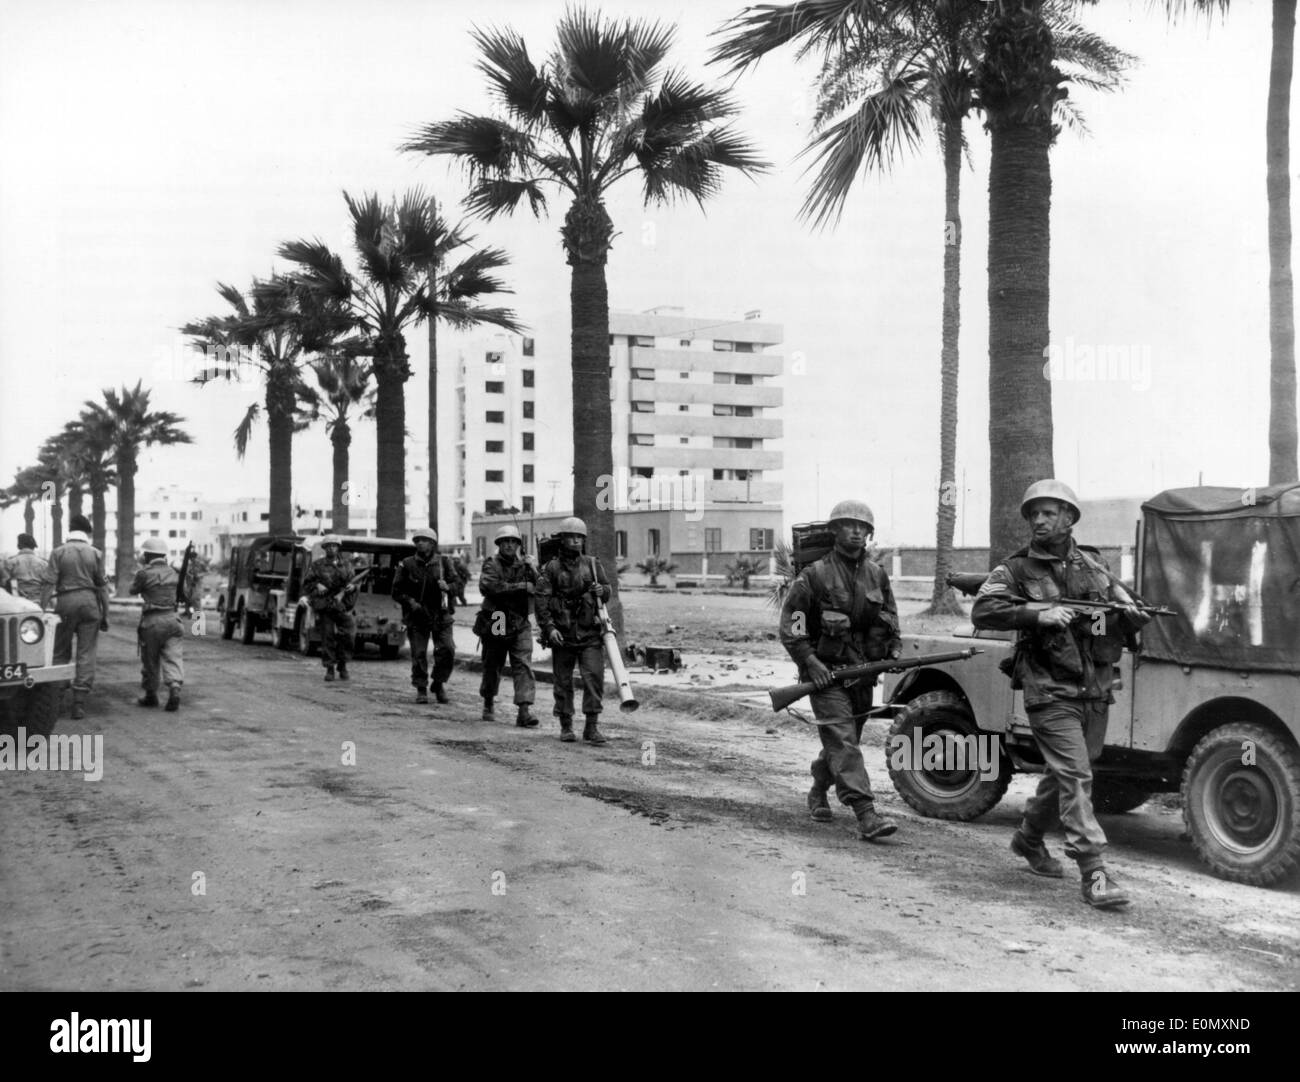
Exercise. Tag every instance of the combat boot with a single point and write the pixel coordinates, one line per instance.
(329, 673)
(421, 696)
(439, 694)
(525, 720)
(1101, 891)
(818, 806)
(566, 728)
(78, 705)
(173, 699)
(343, 672)
(489, 709)
(872, 825)
(591, 731)
(150, 698)
(1041, 862)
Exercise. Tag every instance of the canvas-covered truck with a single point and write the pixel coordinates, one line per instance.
(1208, 705)
(31, 685)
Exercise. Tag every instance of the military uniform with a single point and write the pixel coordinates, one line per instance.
(23, 573)
(507, 588)
(161, 634)
(1066, 674)
(565, 604)
(462, 579)
(74, 579)
(428, 613)
(333, 615)
(842, 611)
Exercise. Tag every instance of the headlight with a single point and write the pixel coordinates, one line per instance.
(31, 630)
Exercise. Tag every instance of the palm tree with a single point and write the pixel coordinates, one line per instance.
(56, 464)
(598, 109)
(135, 426)
(29, 486)
(395, 246)
(93, 434)
(343, 382)
(887, 69)
(451, 295)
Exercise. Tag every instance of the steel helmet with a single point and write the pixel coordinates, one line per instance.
(507, 533)
(426, 535)
(855, 510)
(153, 546)
(572, 525)
(331, 539)
(1050, 489)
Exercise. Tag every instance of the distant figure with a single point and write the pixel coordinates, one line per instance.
(462, 579)
(327, 586)
(73, 585)
(423, 587)
(160, 633)
(22, 573)
(507, 583)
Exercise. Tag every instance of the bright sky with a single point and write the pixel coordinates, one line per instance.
(152, 149)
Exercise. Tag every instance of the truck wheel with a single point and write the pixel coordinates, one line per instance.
(38, 709)
(1117, 797)
(1241, 804)
(227, 621)
(939, 793)
(280, 637)
(389, 650)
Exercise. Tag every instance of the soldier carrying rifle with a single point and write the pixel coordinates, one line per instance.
(326, 585)
(840, 611)
(161, 636)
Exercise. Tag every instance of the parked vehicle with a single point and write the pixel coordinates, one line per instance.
(31, 685)
(257, 567)
(1209, 704)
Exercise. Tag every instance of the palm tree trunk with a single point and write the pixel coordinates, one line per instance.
(280, 399)
(433, 417)
(98, 515)
(587, 234)
(390, 423)
(29, 518)
(124, 571)
(56, 514)
(341, 438)
(75, 499)
(1282, 462)
(943, 600)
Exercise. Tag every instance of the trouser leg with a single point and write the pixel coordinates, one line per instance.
(591, 669)
(172, 658)
(327, 622)
(79, 619)
(418, 637)
(563, 660)
(521, 667)
(494, 655)
(841, 761)
(1070, 736)
(345, 633)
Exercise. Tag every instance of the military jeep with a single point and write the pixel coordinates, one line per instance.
(1208, 705)
(31, 685)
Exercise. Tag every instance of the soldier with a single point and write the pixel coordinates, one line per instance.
(569, 589)
(326, 585)
(1066, 671)
(422, 586)
(21, 574)
(462, 579)
(840, 611)
(507, 583)
(160, 633)
(74, 581)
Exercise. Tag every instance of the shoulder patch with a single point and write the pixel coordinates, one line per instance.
(991, 587)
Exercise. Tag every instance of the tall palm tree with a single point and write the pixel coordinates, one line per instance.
(92, 432)
(56, 462)
(135, 426)
(29, 487)
(395, 246)
(600, 108)
(452, 295)
(342, 383)
(887, 70)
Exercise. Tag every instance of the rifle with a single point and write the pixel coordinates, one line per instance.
(182, 594)
(783, 697)
(352, 585)
(1088, 606)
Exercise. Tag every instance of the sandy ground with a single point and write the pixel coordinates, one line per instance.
(230, 847)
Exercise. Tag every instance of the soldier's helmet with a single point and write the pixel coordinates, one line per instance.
(854, 510)
(153, 546)
(331, 539)
(1050, 489)
(572, 525)
(424, 535)
(507, 533)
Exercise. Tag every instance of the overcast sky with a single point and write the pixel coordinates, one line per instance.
(151, 149)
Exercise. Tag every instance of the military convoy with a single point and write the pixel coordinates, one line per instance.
(30, 683)
(1209, 704)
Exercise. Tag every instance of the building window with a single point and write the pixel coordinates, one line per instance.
(528, 349)
(265, 516)
(724, 411)
(643, 373)
(493, 507)
(683, 375)
(181, 534)
(638, 439)
(528, 411)
(153, 533)
(652, 542)
(494, 386)
(528, 377)
(722, 346)
(171, 533)
(528, 474)
(745, 411)
(645, 341)
(620, 544)
(494, 447)
(746, 347)
(760, 540)
(494, 356)
(153, 515)
(496, 417)
(643, 407)
(528, 441)
(494, 475)
(685, 342)
(683, 408)
(684, 439)
(643, 471)
(744, 443)
(528, 505)
(712, 538)
(744, 379)
(722, 377)
(196, 515)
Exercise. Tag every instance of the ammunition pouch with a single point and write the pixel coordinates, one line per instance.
(835, 642)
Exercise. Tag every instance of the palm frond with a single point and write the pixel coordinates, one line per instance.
(245, 429)
(518, 84)
(463, 316)
(490, 147)
(826, 25)
(491, 197)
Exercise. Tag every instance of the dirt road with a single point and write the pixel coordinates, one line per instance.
(230, 847)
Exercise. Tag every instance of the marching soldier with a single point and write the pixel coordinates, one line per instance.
(841, 611)
(568, 590)
(161, 635)
(1066, 672)
(422, 586)
(22, 573)
(507, 583)
(462, 579)
(73, 584)
(327, 585)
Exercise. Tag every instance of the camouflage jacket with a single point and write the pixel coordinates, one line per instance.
(505, 588)
(417, 583)
(564, 601)
(841, 610)
(334, 574)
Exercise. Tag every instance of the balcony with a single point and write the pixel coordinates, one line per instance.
(686, 424)
(710, 360)
(683, 391)
(742, 491)
(704, 458)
